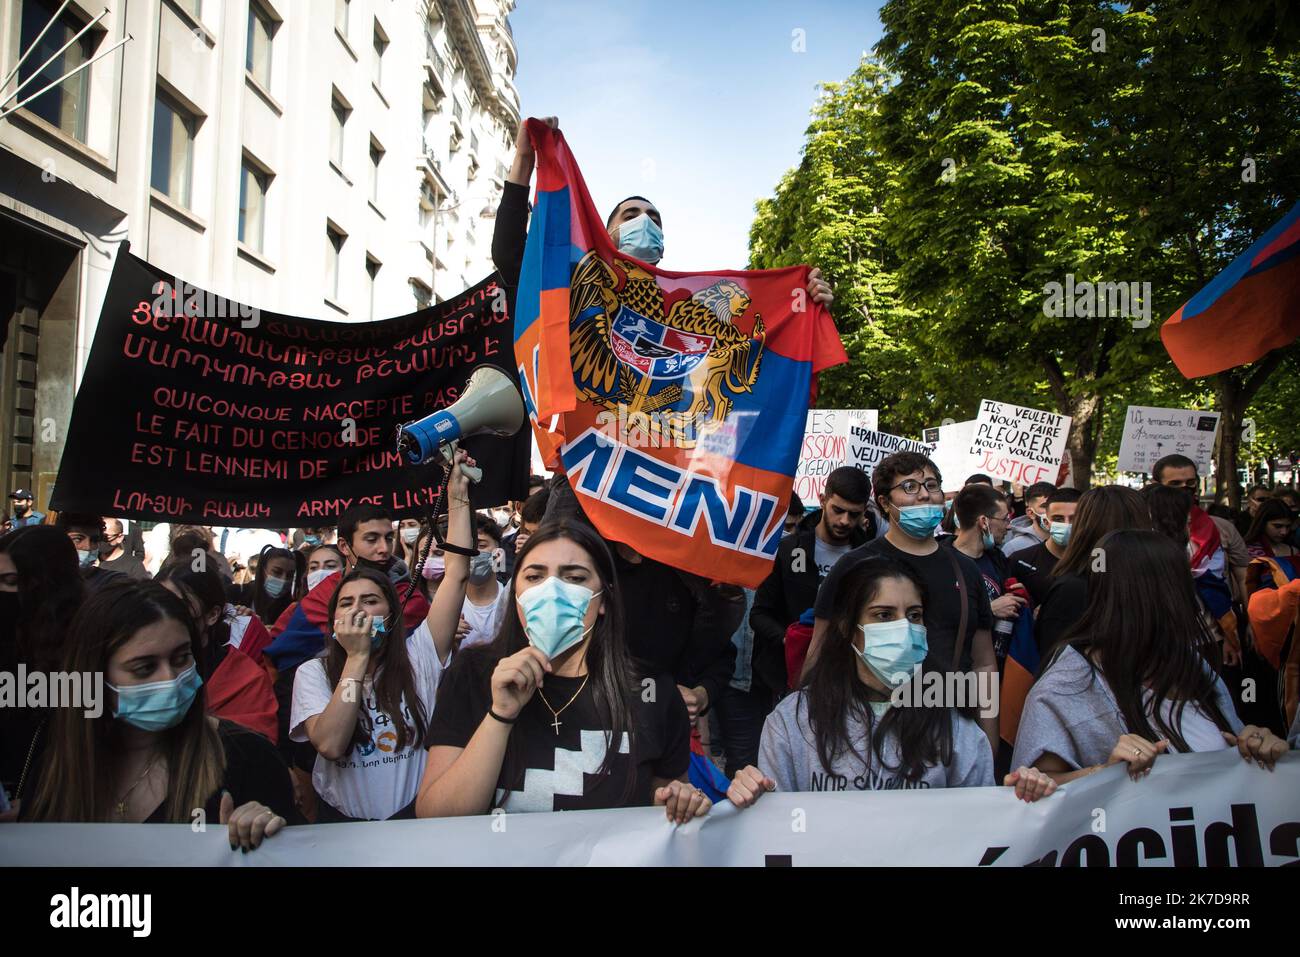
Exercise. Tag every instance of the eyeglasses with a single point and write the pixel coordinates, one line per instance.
(912, 486)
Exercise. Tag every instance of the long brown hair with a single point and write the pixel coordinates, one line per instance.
(394, 676)
(1144, 634)
(1101, 510)
(77, 779)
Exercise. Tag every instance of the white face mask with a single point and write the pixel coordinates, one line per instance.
(318, 576)
(409, 535)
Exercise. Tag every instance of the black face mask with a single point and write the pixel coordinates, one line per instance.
(381, 567)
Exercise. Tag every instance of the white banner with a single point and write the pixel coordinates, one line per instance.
(1198, 809)
(1019, 444)
(1151, 434)
(951, 455)
(867, 447)
(825, 448)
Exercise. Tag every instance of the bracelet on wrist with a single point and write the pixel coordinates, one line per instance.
(501, 719)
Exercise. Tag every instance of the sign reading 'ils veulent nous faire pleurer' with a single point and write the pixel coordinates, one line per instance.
(198, 409)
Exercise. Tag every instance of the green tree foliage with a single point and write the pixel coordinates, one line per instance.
(996, 147)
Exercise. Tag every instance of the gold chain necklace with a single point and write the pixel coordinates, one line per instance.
(556, 714)
(121, 804)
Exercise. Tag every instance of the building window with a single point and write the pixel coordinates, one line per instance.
(252, 205)
(257, 58)
(173, 149)
(333, 251)
(193, 7)
(341, 16)
(376, 157)
(372, 277)
(380, 45)
(65, 105)
(338, 119)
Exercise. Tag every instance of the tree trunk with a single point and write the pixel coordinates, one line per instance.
(1226, 488)
(1085, 417)
(1235, 390)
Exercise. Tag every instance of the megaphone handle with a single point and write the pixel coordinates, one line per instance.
(472, 472)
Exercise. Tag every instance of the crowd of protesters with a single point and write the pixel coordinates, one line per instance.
(515, 660)
(381, 669)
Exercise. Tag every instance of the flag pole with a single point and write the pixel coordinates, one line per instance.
(53, 57)
(44, 30)
(96, 57)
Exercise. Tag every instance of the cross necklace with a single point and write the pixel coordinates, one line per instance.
(556, 714)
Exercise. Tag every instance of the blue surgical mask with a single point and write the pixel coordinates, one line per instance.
(86, 558)
(987, 539)
(377, 632)
(553, 615)
(158, 705)
(275, 586)
(919, 521)
(1060, 532)
(311, 539)
(893, 649)
(642, 238)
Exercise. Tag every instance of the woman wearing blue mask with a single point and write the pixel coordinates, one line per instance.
(280, 581)
(152, 755)
(554, 715)
(908, 490)
(854, 725)
(364, 703)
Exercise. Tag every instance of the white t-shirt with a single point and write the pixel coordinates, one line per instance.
(827, 555)
(373, 781)
(483, 619)
(1197, 728)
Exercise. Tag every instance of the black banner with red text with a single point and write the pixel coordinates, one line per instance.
(196, 408)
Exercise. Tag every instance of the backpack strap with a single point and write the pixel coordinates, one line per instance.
(964, 618)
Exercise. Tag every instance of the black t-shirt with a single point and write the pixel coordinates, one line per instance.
(1032, 567)
(127, 565)
(254, 772)
(942, 606)
(548, 771)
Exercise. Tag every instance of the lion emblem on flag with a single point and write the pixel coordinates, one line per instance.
(628, 349)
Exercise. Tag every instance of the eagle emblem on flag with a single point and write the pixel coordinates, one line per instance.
(684, 361)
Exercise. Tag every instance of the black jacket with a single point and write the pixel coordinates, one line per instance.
(784, 596)
(509, 235)
(677, 623)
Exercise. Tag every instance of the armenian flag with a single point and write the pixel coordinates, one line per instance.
(1249, 309)
(674, 401)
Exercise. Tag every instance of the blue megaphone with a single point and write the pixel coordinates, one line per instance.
(490, 404)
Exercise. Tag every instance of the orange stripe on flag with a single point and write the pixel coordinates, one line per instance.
(555, 391)
(1016, 682)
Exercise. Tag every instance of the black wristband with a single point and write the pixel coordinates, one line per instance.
(501, 719)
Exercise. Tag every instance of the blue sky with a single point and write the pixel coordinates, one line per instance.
(701, 107)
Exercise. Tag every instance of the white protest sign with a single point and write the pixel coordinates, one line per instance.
(1019, 444)
(868, 446)
(1151, 434)
(825, 448)
(1205, 809)
(951, 455)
